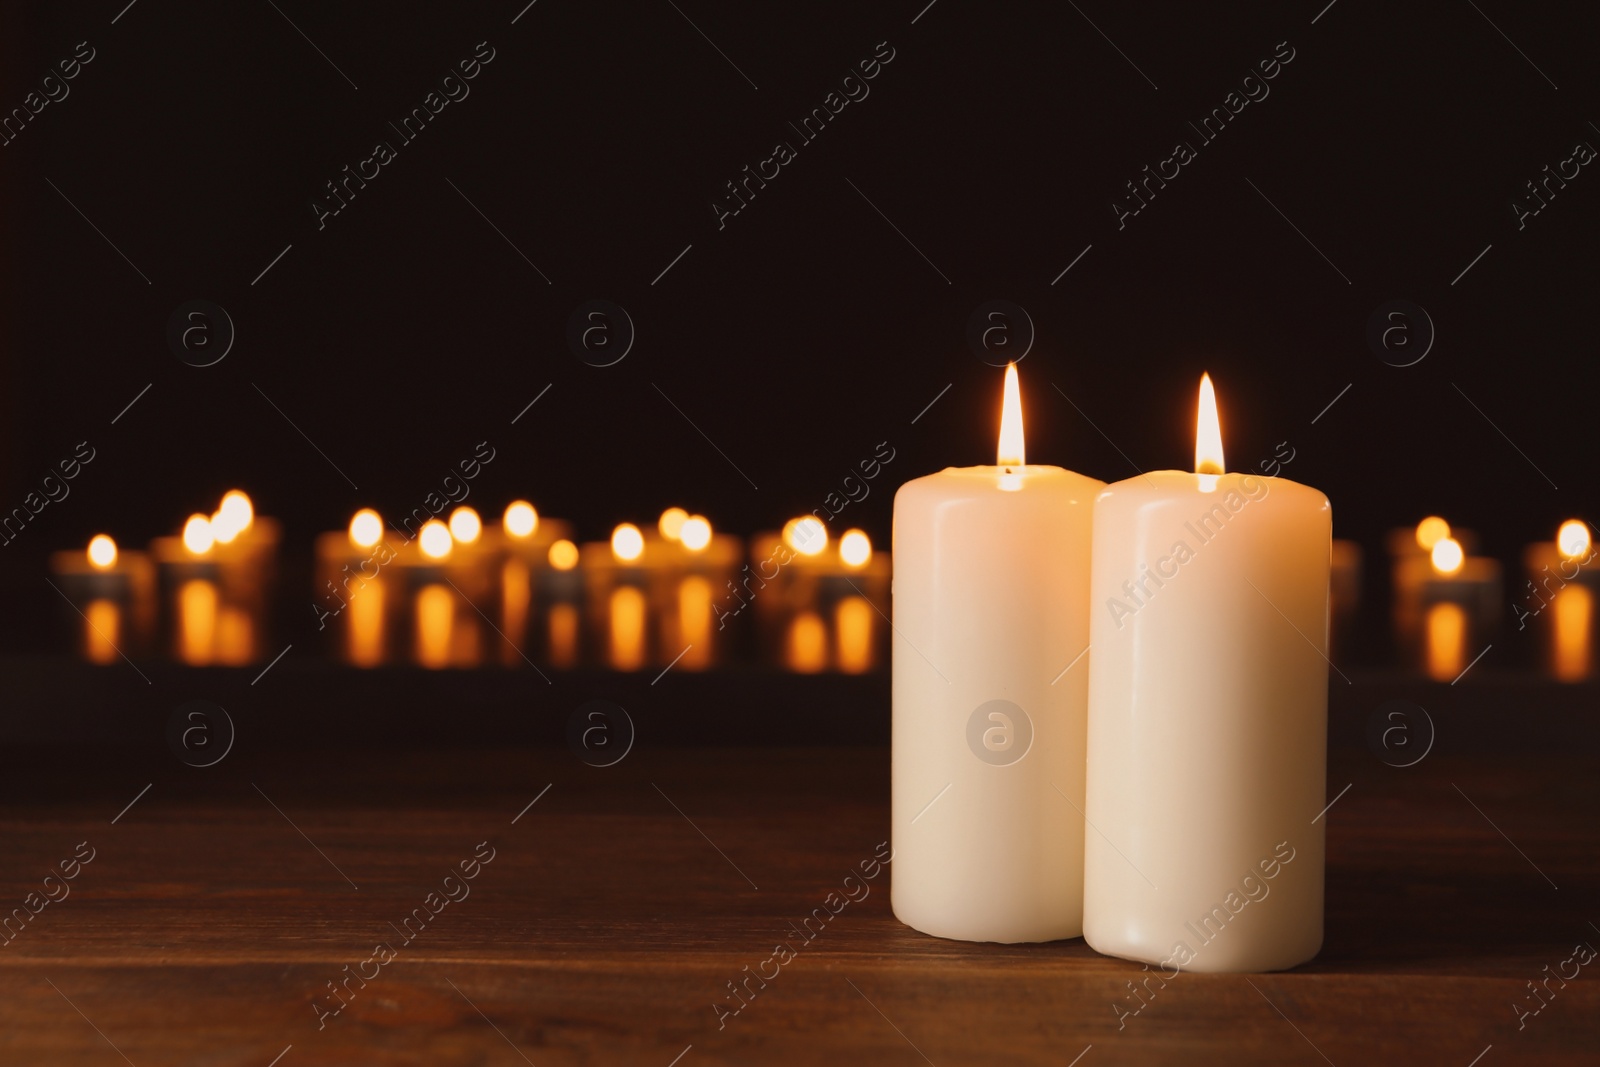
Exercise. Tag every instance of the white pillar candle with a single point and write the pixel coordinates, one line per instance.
(1208, 717)
(991, 576)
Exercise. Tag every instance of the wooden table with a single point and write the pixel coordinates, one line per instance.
(617, 908)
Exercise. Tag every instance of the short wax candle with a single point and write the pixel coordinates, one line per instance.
(990, 591)
(1208, 702)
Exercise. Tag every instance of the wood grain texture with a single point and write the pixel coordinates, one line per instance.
(608, 923)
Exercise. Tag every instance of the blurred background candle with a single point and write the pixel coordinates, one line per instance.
(617, 581)
(349, 593)
(561, 586)
(1558, 598)
(801, 574)
(216, 593)
(1569, 557)
(700, 563)
(1415, 542)
(444, 583)
(114, 594)
(1458, 599)
(990, 603)
(1208, 727)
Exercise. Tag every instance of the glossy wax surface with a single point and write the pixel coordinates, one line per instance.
(991, 574)
(1207, 742)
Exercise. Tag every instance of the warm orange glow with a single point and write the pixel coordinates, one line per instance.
(694, 622)
(1430, 531)
(516, 593)
(563, 555)
(1447, 641)
(197, 535)
(521, 519)
(806, 647)
(435, 609)
(234, 516)
(1208, 432)
(1011, 452)
(197, 622)
(434, 539)
(1447, 556)
(1574, 607)
(235, 643)
(627, 543)
(563, 635)
(465, 526)
(855, 548)
(627, 628)
(806, 535)
(366, 528)
(671, 522)
(695, 533)
(102, 552)
(1573, 540)
(852, 620)
(365, 637)
(103, 620)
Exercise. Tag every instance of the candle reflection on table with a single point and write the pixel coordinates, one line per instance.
(103, 630)
(563, 624)
(805, 646)
(627, 628)
(516, 596)
(853, 620)
(235, 635)
(364, 632)
(694, 622)
(1572, 645)
(1446, 636)
(435, 611)
(197, 620)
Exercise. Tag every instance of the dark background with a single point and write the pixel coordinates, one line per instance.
(808, 330)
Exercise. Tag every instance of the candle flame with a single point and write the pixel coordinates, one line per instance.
(806, 535)
(234, 516)
(563, 555)
(855, 548)
(434, 539)
(366, 528)
(102, 552)
(465, 525)
(1430, 531)
(521, 519)
(1573, 539)
(1447, 556)
(627, 543)
(671, 523)
(1207, 432)
(1011, 452)
(694, 533)
(197, 535)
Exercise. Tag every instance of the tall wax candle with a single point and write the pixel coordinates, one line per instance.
(1207, 753)
(991, 573)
